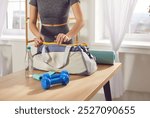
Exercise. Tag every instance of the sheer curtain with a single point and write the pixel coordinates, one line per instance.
(3, 9)
(118, 15)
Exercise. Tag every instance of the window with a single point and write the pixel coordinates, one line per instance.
(15, 18)
(140, 23)
(139, 29)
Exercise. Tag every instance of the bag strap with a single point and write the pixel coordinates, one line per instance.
(66, 55)
(47, 58)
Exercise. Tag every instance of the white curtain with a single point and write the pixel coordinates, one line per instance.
(3, 9)
(118, 14)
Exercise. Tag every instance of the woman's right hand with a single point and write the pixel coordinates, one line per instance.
(39, 40)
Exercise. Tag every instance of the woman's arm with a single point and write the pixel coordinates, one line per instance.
(76, 28)
(33, 19)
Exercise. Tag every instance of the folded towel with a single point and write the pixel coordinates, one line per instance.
(39, 76)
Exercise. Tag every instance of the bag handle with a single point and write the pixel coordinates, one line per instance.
(47, 58)
(54, 43)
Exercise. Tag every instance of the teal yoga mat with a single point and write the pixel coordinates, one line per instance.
(103, 57)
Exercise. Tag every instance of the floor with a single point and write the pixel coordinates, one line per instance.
(127, 96)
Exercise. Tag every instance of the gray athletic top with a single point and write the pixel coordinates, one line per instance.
(53, 12)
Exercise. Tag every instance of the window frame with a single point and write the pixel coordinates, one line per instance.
(13, 32)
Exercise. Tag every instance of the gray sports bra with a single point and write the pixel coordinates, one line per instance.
(53, 11)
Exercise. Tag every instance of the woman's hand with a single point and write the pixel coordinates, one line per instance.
(39, 40)
(62, 38)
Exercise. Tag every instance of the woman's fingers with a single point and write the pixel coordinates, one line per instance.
(66, 39)
(38, 42)
(58, 39)
(62, 38)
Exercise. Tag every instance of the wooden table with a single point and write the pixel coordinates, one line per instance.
(16, 87)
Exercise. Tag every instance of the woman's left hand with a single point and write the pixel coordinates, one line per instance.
(61, 38)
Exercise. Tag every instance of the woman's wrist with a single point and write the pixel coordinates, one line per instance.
(40, 36)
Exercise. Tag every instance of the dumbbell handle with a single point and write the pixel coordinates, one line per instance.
(61, 80)
(56, 81)
(53, 76)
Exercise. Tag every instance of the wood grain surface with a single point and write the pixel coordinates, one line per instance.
(16, 87)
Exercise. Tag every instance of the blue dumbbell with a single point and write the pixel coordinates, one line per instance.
(48, 81)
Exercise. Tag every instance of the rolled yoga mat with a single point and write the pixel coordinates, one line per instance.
(103, 57)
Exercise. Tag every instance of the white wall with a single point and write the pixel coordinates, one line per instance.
(5, 59)
(136, 69)
(16, 51)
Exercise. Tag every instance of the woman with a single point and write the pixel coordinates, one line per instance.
(54, 16)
